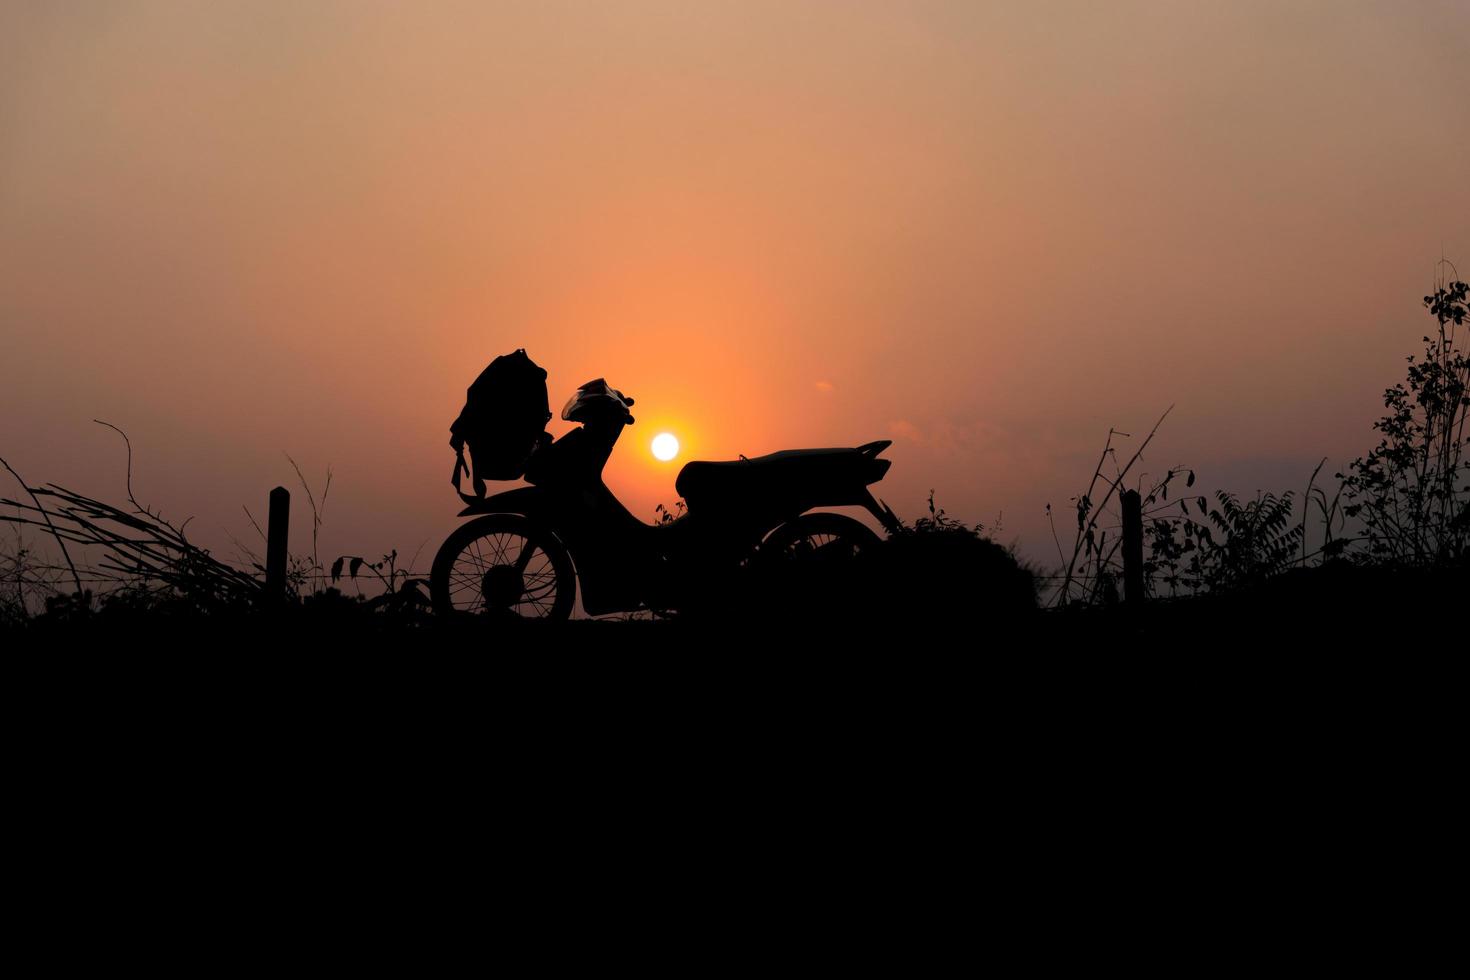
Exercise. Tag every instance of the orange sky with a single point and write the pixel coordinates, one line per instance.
(987, 231)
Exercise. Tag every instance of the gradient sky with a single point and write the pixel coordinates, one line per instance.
(988, 231)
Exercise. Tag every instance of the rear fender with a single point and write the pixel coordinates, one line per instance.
(877, 468)
(874, 469)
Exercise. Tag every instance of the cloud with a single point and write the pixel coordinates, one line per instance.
(825, 387)
(969, 438)
(977, 442)
(904, 429)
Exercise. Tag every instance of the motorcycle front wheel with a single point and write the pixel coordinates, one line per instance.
(503, 566)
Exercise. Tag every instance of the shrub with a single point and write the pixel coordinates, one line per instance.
(1257, 539)
(1410, 491)
(940, 568)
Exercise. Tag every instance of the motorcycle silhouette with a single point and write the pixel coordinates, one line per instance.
(527, 549)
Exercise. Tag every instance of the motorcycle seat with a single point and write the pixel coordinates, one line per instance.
(703, 479)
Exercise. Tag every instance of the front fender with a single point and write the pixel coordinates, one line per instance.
(521, 500)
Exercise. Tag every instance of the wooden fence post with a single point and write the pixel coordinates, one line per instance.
(275, 543)
(1132, 547)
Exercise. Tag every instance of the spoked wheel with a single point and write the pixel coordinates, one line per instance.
(817, 539)
(504, 566)
(811, 565)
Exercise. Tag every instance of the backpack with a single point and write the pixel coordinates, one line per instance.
(503, 422)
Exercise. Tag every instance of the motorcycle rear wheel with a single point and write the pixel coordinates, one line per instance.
(820, 537)
(503, 565)
(811, 567)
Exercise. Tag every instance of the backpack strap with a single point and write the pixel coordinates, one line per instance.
(456, 442)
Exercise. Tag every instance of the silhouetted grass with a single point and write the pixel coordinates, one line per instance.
(1404, 505)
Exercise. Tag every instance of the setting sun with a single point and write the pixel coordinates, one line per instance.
(665, 446)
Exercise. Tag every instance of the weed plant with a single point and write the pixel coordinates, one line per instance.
(1410, 492)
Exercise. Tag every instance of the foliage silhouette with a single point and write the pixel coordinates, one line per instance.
(26, 581)
(401, 590)
(1257, 538)
(935, 571)
(667, 515)
(1094, 567)
(940, 568)
(1410, 491)
(1409, 497)
(145, 557)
